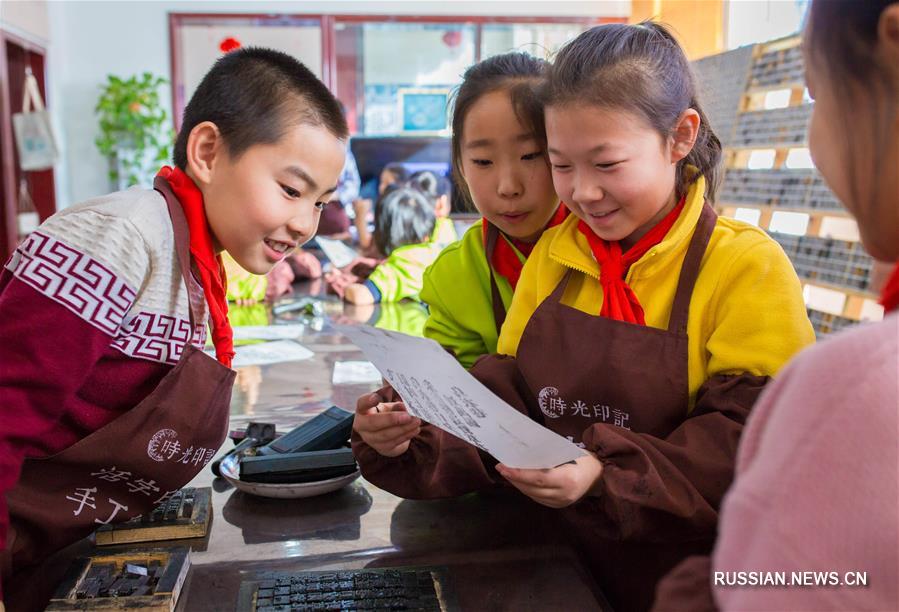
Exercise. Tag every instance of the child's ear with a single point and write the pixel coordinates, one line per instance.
(684, 135)
(203, 144)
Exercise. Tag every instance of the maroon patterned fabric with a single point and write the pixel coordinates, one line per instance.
(125, 461)
(61, 379)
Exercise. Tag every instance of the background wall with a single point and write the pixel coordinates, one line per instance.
(697, 24)
(26, 18)
(90, 39)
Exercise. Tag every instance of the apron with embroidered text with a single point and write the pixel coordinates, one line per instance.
(127, 467)
(585, 369)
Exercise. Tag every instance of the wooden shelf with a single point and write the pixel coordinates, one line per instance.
(815, 227)
(777, 66)
(812, 212)
(856, 301)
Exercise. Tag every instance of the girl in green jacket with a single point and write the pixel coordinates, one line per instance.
(500, 166)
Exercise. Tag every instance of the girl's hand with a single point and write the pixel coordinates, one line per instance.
(557, 487)
(386, 427)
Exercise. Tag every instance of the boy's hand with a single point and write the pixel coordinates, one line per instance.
(557, 487)
(386, 427)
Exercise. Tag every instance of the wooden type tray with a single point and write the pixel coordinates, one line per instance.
(185, 515)
(72, 593)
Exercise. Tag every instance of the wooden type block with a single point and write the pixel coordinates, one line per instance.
(186, 515)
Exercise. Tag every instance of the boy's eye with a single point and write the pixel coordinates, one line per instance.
(481, 162)
(561, 167)
(534, 155)
(290, 191)
(607, 165)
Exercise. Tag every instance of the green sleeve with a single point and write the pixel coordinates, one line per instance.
(246, 287)
(441, 326)
(398, 278)
(404, 317)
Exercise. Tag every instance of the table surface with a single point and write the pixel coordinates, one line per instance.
(501, 550)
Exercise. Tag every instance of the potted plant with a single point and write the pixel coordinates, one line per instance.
(134, 133)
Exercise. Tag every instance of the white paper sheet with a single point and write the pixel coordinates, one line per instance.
(337, 252)
(268, 332)
(354, 372)
(270, 352)
(440, 391)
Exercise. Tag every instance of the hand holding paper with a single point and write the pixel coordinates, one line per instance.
(386, 427)
(438, 390)
(557, 487)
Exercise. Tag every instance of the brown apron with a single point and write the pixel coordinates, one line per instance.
(585, 369)
(127, 467)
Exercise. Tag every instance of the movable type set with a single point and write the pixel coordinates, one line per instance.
(825, 323)
(186, 514)
(311, 466)
(410, 588)
(785, 188)
(781, 127)
(834, 262)
(722, 80)
(316, 450)
(137, 580)
(328, 430)
(778, 67)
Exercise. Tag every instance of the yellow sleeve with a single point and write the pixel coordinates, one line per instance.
(524, 302)
(760, 319)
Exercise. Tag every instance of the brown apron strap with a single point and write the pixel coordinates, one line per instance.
(182, 241)
(556, 296)
(499, 311)
(680, 309)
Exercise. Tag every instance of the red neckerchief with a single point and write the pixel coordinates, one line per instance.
(209, 265)
(505, 261)
(889, 296)
(619, 301)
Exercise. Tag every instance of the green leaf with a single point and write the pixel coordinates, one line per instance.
(133, 124)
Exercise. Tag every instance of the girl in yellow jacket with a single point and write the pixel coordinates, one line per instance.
(643, 327)
(500, 165)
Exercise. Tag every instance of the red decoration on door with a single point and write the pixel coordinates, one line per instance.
(229, 44)
(452, 38)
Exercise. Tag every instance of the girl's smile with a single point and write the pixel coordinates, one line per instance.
(612, 169)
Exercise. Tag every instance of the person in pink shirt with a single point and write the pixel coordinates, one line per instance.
(812, 519)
